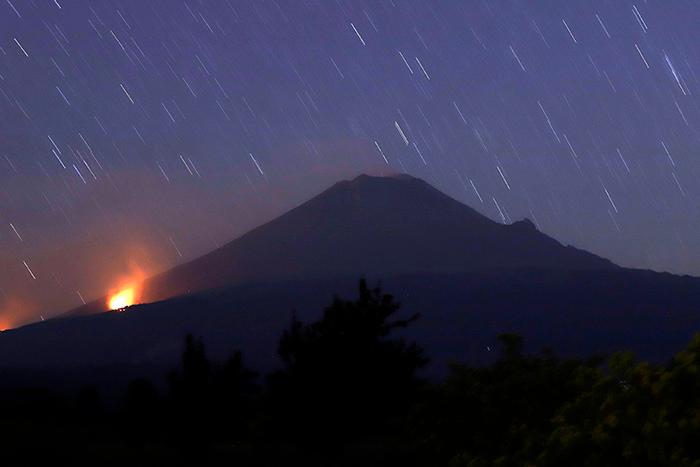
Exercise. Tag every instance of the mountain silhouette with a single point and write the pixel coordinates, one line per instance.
(470, 278)
(377, 226)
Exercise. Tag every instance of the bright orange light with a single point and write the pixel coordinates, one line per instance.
(122, 299)
(127, 289)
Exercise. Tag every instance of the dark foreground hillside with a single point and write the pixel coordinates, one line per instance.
(577, 313)
(350, 391)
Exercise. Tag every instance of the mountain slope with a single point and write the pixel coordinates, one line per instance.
(379, 226)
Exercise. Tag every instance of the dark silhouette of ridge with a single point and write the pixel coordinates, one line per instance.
(377, 226)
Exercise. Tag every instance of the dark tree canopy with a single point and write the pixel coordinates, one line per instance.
(347, 371)
(349, 394)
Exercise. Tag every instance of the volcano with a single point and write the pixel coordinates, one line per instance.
(374, 226)
(470, 278)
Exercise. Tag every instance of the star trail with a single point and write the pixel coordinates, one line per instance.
(139, 134)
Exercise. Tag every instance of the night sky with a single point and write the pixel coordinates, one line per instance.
(135, 135)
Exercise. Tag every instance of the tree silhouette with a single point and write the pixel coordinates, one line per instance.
(142, 414)
(209, 402)
(189, 404)
(233, 395)
(501, 414)
(345, 376)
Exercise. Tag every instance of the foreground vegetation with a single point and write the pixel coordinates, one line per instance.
(349, 393)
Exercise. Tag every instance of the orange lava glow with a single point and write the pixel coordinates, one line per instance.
(122, 299)
(127, 290)
(6, 324)
(16, 311)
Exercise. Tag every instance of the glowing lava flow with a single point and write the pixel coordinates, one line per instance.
(122, 299)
